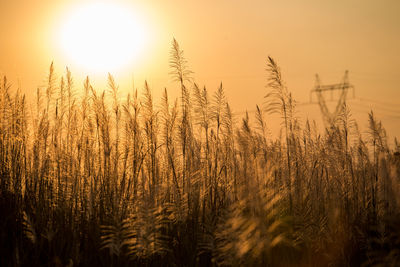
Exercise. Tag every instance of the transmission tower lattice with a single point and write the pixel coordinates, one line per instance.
(330, 117)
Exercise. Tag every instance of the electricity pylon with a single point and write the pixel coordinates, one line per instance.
(330, 117)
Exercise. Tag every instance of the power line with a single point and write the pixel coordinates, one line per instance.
(364, 106)
(376, 107)
(360, 110)
(378, 102)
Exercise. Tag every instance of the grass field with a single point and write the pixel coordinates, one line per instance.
(91, 179)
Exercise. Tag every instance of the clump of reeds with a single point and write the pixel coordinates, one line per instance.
(91, 178)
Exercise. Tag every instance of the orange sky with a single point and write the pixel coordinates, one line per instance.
(229, 41)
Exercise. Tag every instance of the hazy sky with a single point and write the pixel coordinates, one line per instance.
(229, 41)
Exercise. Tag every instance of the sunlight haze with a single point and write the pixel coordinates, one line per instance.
(103, 37)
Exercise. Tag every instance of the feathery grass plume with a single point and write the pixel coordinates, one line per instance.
(377, 138)
(178, 64)
(113, 87)
(228, 121)
(261, 125)
(218, 105)
(117, 117)
(71, 111)
(181, 73)
(84, 119)
(377, 133)
(150, 120)
(202, 107)
(347, 127)
(134, 135)
(7, 104)
(217, 115)
(170, 118)
(280, 100)
(69, 87)
(203, 114)
(229, 152)
(244, 138)
(50, 89)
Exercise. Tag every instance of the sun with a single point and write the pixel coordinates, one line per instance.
(102, 37)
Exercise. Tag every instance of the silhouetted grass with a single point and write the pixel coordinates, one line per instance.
(90, 179)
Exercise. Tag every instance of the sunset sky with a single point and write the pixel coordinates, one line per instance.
(225, 40)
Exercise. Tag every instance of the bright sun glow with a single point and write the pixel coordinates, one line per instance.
(103, 37)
